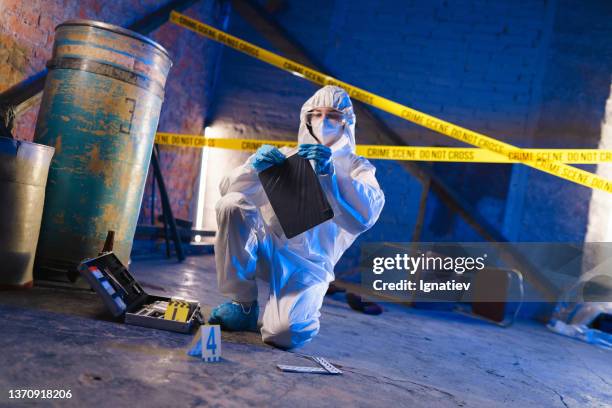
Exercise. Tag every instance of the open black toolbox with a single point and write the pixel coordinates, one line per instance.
(123, 295)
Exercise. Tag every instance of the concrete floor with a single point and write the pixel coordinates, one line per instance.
(64, 339)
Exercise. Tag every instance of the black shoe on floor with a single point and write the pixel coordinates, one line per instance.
(354, 301)
(332, 289)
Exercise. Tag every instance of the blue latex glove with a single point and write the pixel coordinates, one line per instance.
(321, 154)
(267, 156)
(233, 316)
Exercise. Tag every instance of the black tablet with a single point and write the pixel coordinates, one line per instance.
(296, 196)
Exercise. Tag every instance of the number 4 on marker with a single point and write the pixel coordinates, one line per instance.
(211, 342)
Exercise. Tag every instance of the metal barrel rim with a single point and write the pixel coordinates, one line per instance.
(118, 30)
(120, 74)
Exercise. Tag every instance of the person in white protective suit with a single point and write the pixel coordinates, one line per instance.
(250, 241)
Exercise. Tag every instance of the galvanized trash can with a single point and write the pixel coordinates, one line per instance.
(100, 110)
(23, 176)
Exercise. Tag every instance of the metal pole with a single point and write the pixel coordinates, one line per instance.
(163, 194)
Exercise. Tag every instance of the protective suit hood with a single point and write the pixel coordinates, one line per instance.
(330, 96)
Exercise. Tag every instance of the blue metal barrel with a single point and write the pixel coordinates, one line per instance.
(100, 110)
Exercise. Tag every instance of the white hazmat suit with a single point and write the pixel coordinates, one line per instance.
(250, 241)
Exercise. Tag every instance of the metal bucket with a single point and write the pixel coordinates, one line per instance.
(100, 110)
(23, 175)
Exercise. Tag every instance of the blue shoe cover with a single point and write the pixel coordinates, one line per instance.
(233, 316)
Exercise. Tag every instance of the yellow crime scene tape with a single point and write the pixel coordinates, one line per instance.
(406, 153)
(471, 137)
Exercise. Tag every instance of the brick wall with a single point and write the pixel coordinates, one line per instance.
(574, 91)
(470, 62)
(507, 69)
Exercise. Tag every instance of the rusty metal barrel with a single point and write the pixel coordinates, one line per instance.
(100, 110)
(23, 176)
